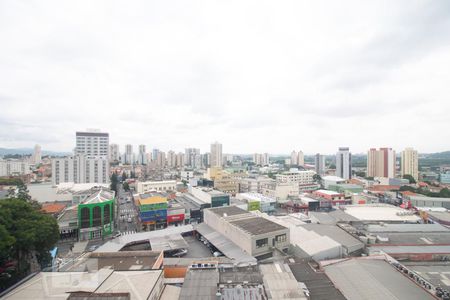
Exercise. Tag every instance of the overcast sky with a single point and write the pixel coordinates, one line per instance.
(256, 76)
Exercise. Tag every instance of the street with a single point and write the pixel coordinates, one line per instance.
(127, 211)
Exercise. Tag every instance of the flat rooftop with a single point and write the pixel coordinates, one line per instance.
(380, 212)
(435, 272)
(257, 225)
(228, 211)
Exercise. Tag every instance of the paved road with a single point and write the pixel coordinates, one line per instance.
(127, 212)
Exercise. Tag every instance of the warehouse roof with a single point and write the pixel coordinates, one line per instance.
(200, 284)
(407, 228)
(257, 225)
(373, 279)
(124, 240)
(380, 212)
(337, 234)
(226, 246)
(280, 283)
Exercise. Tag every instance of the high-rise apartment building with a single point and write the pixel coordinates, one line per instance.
(297, 158)
(294, 158)
(192, 157)
(155, 154)
(301, 158)
(11, 167)
(129, 155)
(161, 159)
(92, 143)
(37, 155)
(171, 159)
(319, 162)
(80, 169)
(344, 163)
(114, 153)
(142, 155)
(381, 163)
(180, 160)
(261, 159)
(410, 163)
(216, 155)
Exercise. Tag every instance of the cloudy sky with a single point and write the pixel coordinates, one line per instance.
(256, 76)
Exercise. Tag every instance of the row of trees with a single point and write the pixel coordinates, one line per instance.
(25, 233)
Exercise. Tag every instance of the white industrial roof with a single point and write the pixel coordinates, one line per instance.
(380, 212)
(333, 178)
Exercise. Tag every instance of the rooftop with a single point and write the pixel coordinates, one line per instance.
(380, 212)
(152, 199)
(52, 208)
(373, 279)
(327, 192)
(333, 178)
(200, 284)
(228, 211)
(257, 225)
(99, 196)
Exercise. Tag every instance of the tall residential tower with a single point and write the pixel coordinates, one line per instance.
(344, 163)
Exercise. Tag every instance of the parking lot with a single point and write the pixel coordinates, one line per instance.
(196, 248)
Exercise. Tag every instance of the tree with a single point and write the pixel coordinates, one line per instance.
(317, 178)
(114, 182)
(126, 186)
(30, 230)
(124, 176)
(444, 193)
(410, 178)
(22, 192)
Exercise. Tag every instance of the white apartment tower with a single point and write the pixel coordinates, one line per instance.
(192, 157)
(294, 158)
(171, 159)
(180, 160)
(301, 158)
(80, 169)
(114, 153)
(344, 163)
(410, 163)
(142, 156)
(92, 143)
(37, 155)
(319, 162)
(216, 155)
(381, 163)
(129, 157)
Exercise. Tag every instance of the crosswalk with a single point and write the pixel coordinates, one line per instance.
(128, 232)
(127, 211)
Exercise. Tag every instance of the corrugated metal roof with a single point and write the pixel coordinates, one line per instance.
(373, 279)
(226, 246)
(407, 228)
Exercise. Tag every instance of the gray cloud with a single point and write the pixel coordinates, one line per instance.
(257, 76)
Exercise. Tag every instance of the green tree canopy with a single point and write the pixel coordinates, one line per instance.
(410, 178)
(126, 186)
(124, 176)
(25, 229)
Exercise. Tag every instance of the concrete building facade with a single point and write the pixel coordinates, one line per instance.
(410, 163)
(80, 169)
(216, 155)
(92, 143)
(381, 163)
(344, 163)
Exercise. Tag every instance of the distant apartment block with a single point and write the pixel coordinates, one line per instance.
(92, 143)
(319, 163)
(344, 163)
(216, 155)
(410, 163)
(381, 163)
(14, 168)
(80, 169)
(114, 152)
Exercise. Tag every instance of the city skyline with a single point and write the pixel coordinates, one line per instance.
(310, 76)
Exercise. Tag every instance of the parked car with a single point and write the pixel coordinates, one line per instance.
(180, 252)
(217, 254)
(93, 248)
(129, 220)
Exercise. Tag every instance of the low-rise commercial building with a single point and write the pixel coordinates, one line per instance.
(332, 180)
(156, 186)
(152, 210)
(210, 196)
(255, 235)
(259, 202)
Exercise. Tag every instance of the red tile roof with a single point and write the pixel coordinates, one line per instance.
(52, 208)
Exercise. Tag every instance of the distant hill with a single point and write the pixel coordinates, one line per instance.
(438, 155)
(29, 151)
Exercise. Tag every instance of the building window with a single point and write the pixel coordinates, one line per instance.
(85, 222)
(97, 216)
(280, 238)
(262, 243)
(106, 214)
